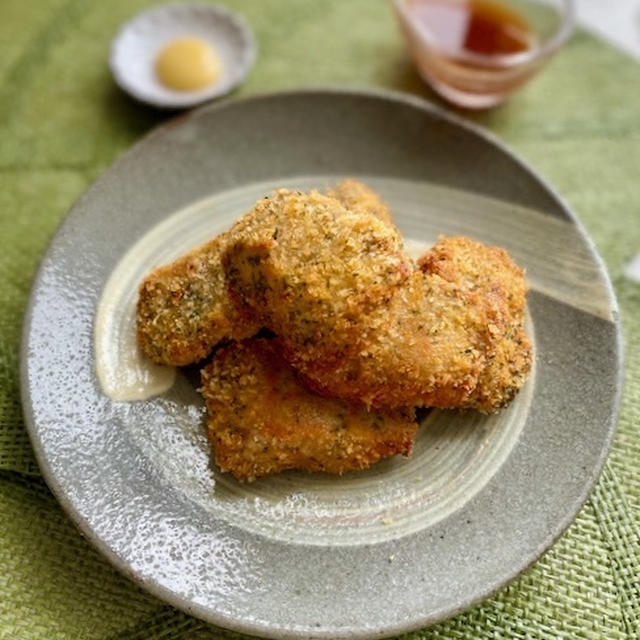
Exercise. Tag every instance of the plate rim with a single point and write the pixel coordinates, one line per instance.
(258, 628)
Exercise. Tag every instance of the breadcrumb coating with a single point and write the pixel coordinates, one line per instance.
(359, 198)
(489, 272)
(358, 323)
(312, 271)
(263, 419)
(428, 347)
(184, 308)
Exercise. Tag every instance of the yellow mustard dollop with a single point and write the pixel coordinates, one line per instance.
(188, 63)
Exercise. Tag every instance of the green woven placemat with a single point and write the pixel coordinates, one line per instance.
(62, 121)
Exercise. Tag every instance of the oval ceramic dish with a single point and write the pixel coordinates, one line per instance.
(402, 545)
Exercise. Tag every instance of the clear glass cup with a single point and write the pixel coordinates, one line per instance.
(474, 80)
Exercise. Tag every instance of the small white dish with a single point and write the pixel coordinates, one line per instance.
(135, 47)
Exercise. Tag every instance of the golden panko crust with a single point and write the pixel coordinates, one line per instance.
(426, 348)
(359, 198)
(490, 273)
(184, 308)
(312, 270)
(263, 419)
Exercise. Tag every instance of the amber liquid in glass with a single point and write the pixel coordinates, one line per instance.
(483, 27)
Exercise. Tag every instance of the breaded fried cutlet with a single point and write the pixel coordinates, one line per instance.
(428, 347)
(359, 198)
(490, 273)
(263, 419)
(184, 308)
(452, 337)
(314, 270)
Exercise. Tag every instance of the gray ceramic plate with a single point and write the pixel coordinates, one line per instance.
(402, 545)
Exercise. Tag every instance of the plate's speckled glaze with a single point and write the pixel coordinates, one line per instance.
(367, 555)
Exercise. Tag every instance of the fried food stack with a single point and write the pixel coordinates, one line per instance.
(363, 333)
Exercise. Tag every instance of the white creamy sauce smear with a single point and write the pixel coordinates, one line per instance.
(123, 371)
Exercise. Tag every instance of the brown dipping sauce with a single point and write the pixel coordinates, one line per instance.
(483, 27)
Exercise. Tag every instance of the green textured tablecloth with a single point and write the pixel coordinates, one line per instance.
(62, 122)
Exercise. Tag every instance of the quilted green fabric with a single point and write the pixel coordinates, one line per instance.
(62, 122)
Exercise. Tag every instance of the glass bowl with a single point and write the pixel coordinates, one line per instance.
(478, 80)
